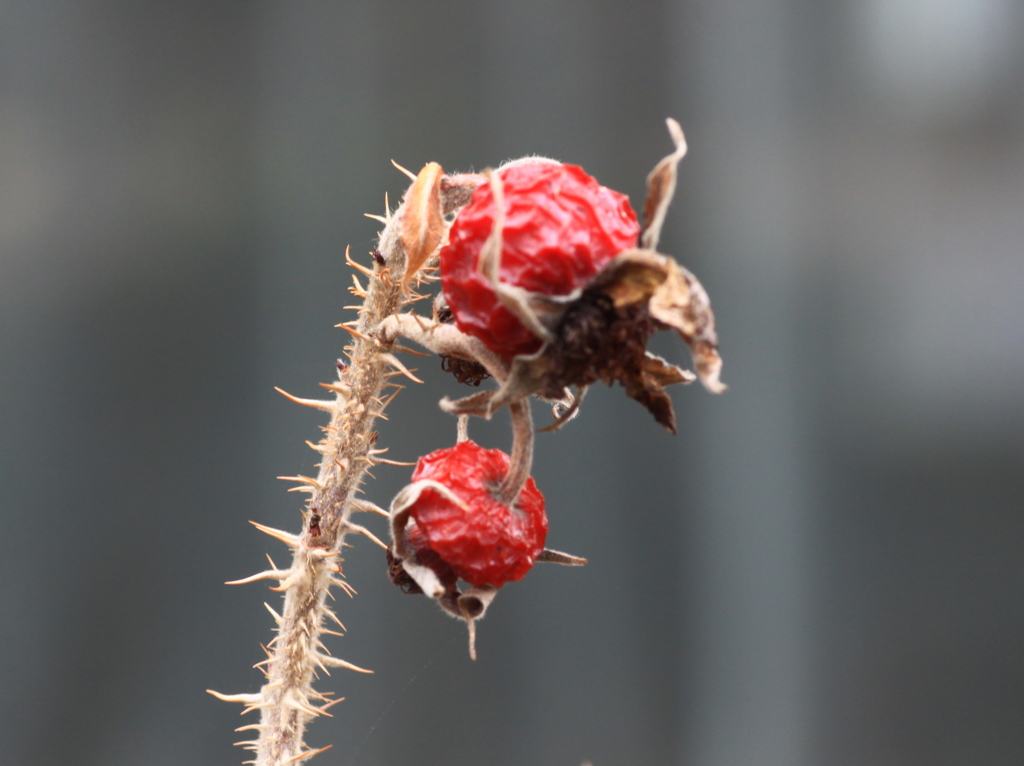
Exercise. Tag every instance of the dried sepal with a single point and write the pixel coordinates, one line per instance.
(457, 190)
(661, 186)
(548, 556)
(472, 605)
(565, 409)
(674, 297)
(515, 299)
(647, 386)
(423, 224)
(682, 303)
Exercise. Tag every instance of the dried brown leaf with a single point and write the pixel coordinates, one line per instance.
(423, 226)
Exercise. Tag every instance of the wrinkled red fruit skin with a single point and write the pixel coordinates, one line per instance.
(491, 544)
(561, 228)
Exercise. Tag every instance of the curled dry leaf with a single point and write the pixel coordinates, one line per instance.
(423, 224)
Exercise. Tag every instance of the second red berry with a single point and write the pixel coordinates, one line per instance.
(490, 543)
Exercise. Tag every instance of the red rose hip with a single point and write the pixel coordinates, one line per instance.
(561, 227)
(488, 542)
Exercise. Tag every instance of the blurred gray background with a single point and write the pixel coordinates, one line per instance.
(825, 565)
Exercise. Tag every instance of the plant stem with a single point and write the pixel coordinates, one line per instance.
(288, 701)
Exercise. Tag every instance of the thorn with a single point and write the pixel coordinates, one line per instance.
(367, 506)
(359, 529)
(245, 698)
(393, 361)
(285, 537)
(307, 754)
(331, 704)
(250, 727)
(278, 618)
(359, 287)
(302, 705)
(386, 402)
(407, 172)
(317, 403)
(359, 266)
(320, 553)
(270, 574)
(385, 461)
(338, 388)
(387, 207)
(321, 448)
(355, 332)
(349, 590)
(334, 662)
(380, 218)
(404, 350)
(303, 480)
(288, 582)
(330, 613)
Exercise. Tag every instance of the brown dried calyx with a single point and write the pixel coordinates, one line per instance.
(595, 340)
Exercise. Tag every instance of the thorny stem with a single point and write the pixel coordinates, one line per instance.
(288, 701)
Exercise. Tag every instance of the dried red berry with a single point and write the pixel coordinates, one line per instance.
(561, 227)
(488, 544)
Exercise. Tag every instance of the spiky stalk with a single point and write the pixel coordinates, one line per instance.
(288, 701)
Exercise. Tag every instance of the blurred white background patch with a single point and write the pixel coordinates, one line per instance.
(938, 60)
